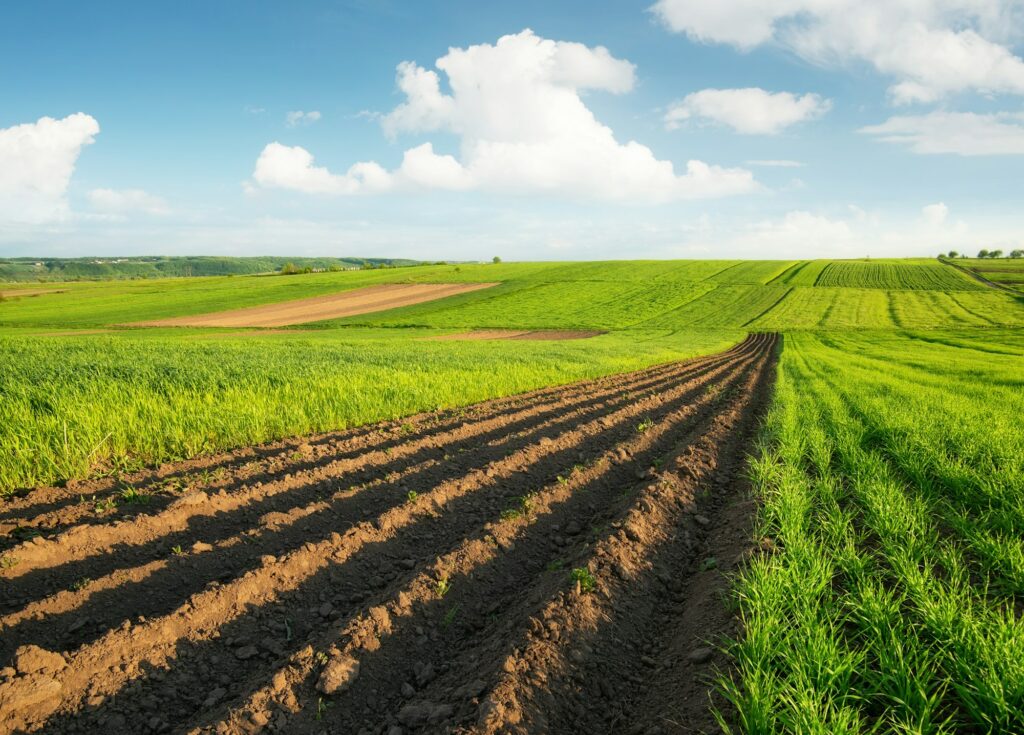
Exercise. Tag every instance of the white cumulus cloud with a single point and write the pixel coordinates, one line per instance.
(750, 111)
(960, 133)
(931, 48)
(126, 201)
(935, 214)
(522, 126)
(292, 167)
(295, 118)
(36, 163)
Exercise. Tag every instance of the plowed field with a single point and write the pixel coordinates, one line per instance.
(549, 562)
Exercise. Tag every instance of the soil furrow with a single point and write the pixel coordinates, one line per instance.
(327, 465)
(225, 518)
(139, 652)
(417, 630)
(31, 505)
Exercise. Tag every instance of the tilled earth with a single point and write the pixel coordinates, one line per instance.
(550, 562)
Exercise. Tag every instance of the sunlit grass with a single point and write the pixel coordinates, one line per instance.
(892, 477)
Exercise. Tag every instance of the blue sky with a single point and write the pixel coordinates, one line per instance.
(901, 125)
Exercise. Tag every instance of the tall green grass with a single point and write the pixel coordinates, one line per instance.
(77, 405)
(892, 478)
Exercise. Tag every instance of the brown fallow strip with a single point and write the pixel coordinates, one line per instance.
(16, 293)
(318, 308)
(526, 334)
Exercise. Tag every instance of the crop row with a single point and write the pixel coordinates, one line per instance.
(893, 486)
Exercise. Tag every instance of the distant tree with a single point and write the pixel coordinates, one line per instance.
(983, 253)
(1017, 253)
(495, 259)
(289, 269)
(996, 254)
(952, 254)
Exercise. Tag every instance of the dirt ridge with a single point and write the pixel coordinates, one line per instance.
(297, 592)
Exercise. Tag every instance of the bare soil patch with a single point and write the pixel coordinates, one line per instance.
(529, 334)
(19, 292)
(318, 308)
(411, 576)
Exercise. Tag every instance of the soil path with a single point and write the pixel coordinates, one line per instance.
(413, 576)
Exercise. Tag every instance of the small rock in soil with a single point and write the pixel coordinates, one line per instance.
(338, 674)
(413, 715)
(246, 652)
(215, 696)
(573, 528)
(700, 655)
(441, 712)
(702, 520)
(424, 674)
(408, 691)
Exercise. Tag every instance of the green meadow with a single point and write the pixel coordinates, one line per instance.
(890, 469)
(83, 394)
(891, 476)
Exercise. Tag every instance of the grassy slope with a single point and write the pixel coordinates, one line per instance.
(893, 488)
(1007, 271)
(223, 392)
(616, 295)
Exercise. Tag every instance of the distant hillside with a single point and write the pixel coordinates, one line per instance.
(116, 268)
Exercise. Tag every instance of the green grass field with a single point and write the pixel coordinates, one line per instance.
(78, 405)
(183, 391)
(1008, 272)
(892, 478)
(890, 474)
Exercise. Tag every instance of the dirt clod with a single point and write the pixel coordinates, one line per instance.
(31, 659)
(338, 674)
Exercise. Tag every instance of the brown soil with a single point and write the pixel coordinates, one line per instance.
(533, 334)
(15, 293)
(319, 308)
(411, 576)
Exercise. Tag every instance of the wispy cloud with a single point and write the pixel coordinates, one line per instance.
(295, 118)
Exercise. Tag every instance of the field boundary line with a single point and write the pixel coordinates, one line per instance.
(765, 311)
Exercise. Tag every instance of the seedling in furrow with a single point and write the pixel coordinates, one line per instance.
(8, 561)
(644, 425)
(442, 587)
(555, 565)
(449, 617)
(411, 496)
(102, 506)
(585, 581)
(132, 495)
(81, 584)
(176, 550)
